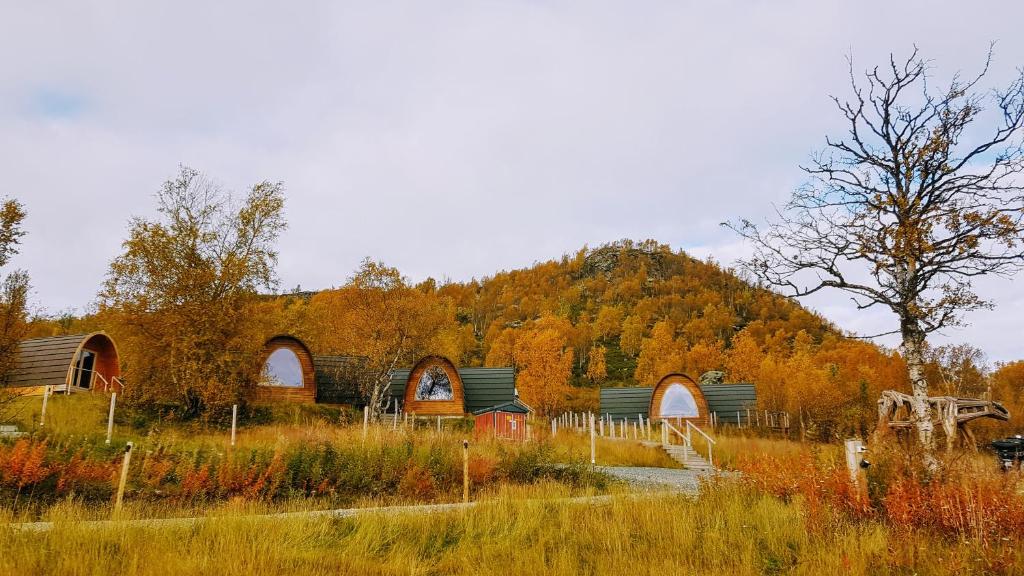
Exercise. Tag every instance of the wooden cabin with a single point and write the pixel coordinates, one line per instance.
(76, 363)
(287, 373)
(679, 397)
(422, 391)
(507, 421)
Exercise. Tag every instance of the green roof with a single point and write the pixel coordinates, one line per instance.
(625, 403)
(484, 387)
(725, 400)
(338, 379)
(514, 406)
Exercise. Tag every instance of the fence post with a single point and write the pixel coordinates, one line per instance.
(600, 425)
(124, 477)
(554, 427)
(664, 433)
(593, 442)
(465, 471)
(234, 422)
(439, 424)
(366, 421)
(110, 417)
(42, 414)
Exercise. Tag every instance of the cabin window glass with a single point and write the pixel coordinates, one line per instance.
(84, 369)
(434, 384)
(282, 369)
(678, 402)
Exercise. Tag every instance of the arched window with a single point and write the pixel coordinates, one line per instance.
(282, 369)
(434, 384)
(678, 402)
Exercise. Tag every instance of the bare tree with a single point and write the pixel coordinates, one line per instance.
(922, 195)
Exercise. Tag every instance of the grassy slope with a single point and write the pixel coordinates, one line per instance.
(729, 530)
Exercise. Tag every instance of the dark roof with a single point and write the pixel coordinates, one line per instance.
(44, 361)
(338, 379)
(724, 400)
(626, 403)
(514, 406)
(484, 387)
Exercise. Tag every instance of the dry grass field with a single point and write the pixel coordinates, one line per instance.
(788, 508)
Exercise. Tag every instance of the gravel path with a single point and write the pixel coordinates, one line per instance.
(682, 480)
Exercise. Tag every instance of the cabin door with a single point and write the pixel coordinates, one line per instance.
(84, 370)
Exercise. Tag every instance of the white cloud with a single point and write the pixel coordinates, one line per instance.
(533, 127)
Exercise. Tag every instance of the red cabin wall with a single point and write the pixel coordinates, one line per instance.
(508, 425)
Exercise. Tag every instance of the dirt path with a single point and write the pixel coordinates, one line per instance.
(653, 482)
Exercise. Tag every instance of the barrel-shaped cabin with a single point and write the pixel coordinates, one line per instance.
(74, 363)
(678, 397)
(436, 387)
(287, 372)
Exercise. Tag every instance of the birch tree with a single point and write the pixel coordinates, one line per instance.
(922, 195)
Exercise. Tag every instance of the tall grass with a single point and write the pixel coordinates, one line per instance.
(730, 529)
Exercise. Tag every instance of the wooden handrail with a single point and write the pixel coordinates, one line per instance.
(687, 437)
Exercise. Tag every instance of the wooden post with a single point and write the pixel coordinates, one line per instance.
(394, 419)
(234, 422)
(465, 470)
(748, 417)
(593, 442)
(439, 424)
(664, 433)
(600, 425)
(554, 427)
(739, 422)
(42, 414)
(124, 478)
(110, 417)
(366, 422)
(648, 429)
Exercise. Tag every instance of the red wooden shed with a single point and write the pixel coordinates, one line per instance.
(506, 420)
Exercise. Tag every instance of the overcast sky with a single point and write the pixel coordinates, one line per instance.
(529, 128)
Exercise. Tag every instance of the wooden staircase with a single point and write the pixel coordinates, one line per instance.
(688, 457)
(683, 451)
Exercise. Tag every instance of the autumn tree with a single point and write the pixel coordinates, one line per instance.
(545, 366)
(957, 369)
(597, 368)
(182, 297)
(1007, 385)
(920, 197)
(631, 337)
(743, 360)
(13, 297)
(378, 315)
(660, 354)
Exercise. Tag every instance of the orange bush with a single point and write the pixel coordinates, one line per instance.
(417, 483)
(481, 469)
(196, 481)
(971, 505)
(821, 490)
(983, 509)
(79, 472)
(24, 464)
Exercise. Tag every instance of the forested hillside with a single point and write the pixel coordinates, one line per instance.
(622, 314)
